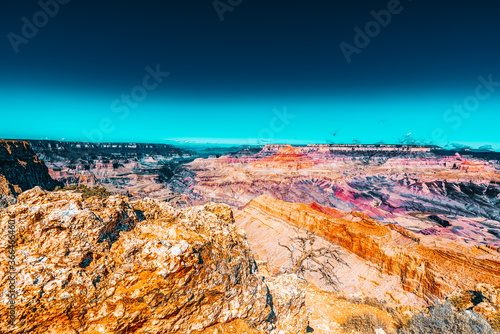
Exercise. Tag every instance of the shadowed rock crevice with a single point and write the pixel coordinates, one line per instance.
(86, 261)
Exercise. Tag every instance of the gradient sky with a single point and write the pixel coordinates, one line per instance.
(232, 80)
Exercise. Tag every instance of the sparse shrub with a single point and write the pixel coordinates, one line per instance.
(396, 315)
(374, 302)
(88, 192)
(305, 257)
(442, 319)
(364, 323)
(464, 300)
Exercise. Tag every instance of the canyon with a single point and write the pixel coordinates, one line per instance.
(455, 197)
(132, 169)
(412, 224)
(426, 266)
(204, 235)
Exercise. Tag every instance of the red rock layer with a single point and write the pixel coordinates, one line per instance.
(327, 210)
(287, 157)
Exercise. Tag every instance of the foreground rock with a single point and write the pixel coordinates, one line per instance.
(5, 201)
(110, 266)
(289, 303)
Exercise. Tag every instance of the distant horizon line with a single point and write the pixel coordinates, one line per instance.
(228, 143)
(175, 142)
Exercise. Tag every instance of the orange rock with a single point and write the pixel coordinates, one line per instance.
(428, 267)
(287, 157)
(109, 266)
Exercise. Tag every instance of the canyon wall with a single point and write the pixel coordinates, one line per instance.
(66, 150)
(132, 169)
(21, 169)
(428, 266)
(404, 185)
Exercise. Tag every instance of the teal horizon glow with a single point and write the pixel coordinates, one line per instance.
(392, 118)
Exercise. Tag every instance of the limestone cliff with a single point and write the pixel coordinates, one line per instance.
(20, 169)
(428, 266)
(114, 266)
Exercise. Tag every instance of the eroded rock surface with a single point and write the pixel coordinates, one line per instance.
(483, 299)
(357, 277)
(111, 266)
(289, 303)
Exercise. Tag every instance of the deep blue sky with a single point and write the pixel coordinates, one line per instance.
(227, 77)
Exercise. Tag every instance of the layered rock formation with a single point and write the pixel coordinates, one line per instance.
(357, 277)
(59, 150)
(287, 157)
(114, 266)
(427, 266)
(400, 185)
(21, 169)
(354, 149)
(135, 169)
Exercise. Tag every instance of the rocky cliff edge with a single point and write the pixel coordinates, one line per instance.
(114, 266)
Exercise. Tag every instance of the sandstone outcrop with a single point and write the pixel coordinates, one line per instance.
(357, 277)
(114, 266)
(20, 169)
(428, 266)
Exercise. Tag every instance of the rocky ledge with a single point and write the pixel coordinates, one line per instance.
(114, 266)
